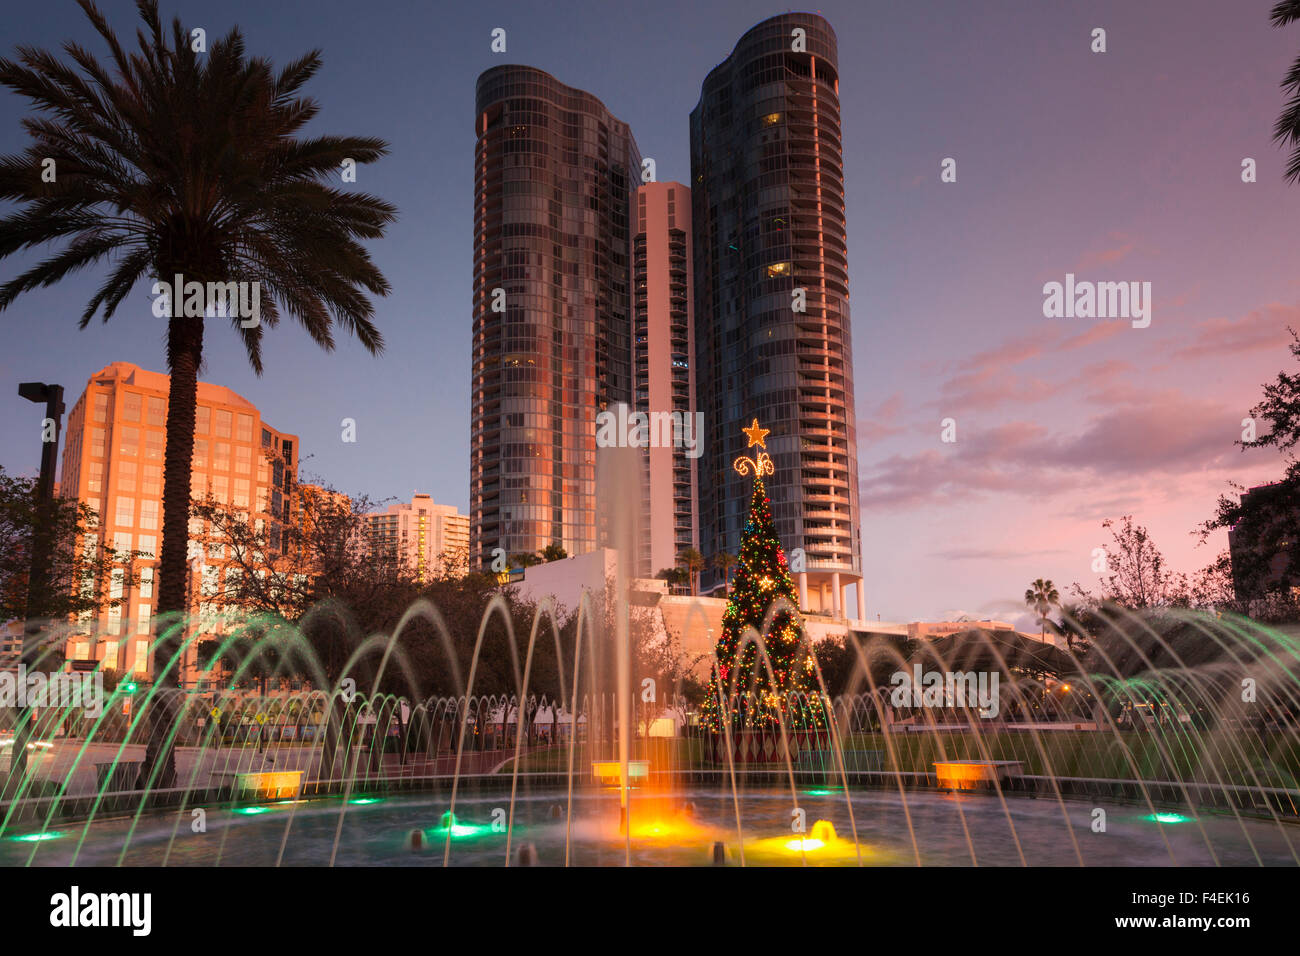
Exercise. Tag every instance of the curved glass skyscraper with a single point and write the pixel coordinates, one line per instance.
(767, 186)
(554, 178)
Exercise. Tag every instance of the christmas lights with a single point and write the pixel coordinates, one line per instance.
(754, 697)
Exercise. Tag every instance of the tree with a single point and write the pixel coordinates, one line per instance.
(1042, 596)
(83, 571)
(1136, 575)
(552, 552)
(692, 562)
(190, 164)
(724, 562)
(762, 579)
(1287, 129)
(1265, 567)
(837, 659)
(676, 577)
(525, 559)
(1081, 623)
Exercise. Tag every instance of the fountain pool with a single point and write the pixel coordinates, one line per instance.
(929, 829)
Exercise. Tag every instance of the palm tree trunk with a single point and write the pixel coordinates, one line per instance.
(184, 357)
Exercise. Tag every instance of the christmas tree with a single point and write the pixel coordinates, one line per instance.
(757, 698)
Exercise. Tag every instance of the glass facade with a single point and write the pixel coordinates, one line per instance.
(768, 219)
(554, 177)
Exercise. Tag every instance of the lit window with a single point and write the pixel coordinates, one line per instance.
(142, 657)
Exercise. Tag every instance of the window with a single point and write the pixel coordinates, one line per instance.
(241, 493)
(141, 663)
(244, 427)
(200, 453)
(146, 576)
(143, 613)
(97, 443)
(129, 442)
(221, 488)
(152, 483)
(149, 514)
(202, 417)
(157, 413)
(126, 476)
(153, 445)
(121, 541)
(131, 406)
(95, 481)
(243, 459)
(221, 456)
(148, 543)
(124, 511)
(222, 429)
(99, 408)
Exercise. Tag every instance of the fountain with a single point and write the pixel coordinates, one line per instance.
(1184, 770)
(1175, 740)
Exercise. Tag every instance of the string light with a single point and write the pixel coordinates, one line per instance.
(762, 577)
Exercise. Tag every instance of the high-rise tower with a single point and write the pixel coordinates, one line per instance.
(772, 334)
(662, 372)
(553, 181)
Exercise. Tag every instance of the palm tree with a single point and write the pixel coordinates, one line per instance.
(692, 563)
(185, 163)
(1042, 596)
(553, 552)
(1287, 129)
(724, 562)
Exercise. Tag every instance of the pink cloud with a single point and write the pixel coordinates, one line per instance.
(1157, 438)
(1259, 329)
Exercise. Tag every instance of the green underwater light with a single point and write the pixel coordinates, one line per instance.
(252, 811)
(450, 824)
(1169, 818)
(37, 837)
(364, 801)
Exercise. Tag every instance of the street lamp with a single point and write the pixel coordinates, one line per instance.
(38, 581)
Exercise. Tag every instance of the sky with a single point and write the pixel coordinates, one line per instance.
(1117, 166)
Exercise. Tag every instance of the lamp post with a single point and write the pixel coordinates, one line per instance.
(38, 581)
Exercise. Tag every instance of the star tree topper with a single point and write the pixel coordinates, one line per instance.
(760, 464)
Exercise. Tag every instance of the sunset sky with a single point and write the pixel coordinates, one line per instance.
(1120, 166)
